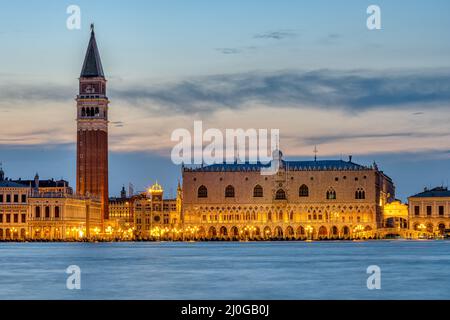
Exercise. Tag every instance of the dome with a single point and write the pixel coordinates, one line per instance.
(156, 188)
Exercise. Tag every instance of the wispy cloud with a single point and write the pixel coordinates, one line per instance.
(276, 35)
(229, 50)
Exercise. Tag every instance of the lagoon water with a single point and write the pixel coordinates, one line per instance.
(226, 270)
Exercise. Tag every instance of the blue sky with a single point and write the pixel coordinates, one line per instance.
(310, 68)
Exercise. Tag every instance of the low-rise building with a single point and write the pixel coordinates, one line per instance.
(429, 212)
(59, 216)
(13, 209)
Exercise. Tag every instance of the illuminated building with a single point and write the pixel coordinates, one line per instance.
(429, 212)
(121, 215)
(13, 209)
(304, 200)
(156, 217)
(59, 216)
(395, 215)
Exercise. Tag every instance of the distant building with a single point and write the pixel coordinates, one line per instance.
(305, 199)
(46, 186)
(429, 212)
(121, 219)
(13, 209)
(46, 209)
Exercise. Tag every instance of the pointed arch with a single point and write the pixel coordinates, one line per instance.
(303, 191)
(331, 194)
(360, 194)
(258, 191)
(229, 192)
(202, 192)
(280, 195)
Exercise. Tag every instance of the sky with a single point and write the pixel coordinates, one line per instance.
(311, 69)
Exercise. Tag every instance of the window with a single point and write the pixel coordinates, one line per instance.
(16, 218)
(331, 194)
(429, 210)
(229, 192)
(37, 212)
(47, 212)
(360, 194)
(24, 198)
(16, 198)
(8, 198)
(416, 210)
(57, 212)
(24, 218)
(1, 218)
(258, 191)
(441, 210)
(1, 198)
(280, 195)
(8, 218)
(303, 191)
(202, 192)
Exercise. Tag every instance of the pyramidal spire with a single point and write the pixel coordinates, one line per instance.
(92, 66)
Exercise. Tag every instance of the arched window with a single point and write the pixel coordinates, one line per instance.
(37, 212)
(47, 212)
(331, 194)
(360, 194)
(57, 212)
(229, 192)
(258, 191)
(202, 192)
(83, 112)
(280, 195)
(97, 111)
(303, 191)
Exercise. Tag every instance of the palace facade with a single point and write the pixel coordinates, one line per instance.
(304, 200)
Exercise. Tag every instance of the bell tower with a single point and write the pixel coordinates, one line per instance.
(92, 128)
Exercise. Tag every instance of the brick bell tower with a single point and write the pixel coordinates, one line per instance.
(92, 128)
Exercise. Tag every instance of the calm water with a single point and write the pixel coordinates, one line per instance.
(260, 270)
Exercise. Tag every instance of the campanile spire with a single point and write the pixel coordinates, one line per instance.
(92, 128)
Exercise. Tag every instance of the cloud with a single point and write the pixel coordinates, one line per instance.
(118, 124)
(229, 50)
(349, 112)
(276, 35)
(341, 138)
(16, 92)
(352, 91)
